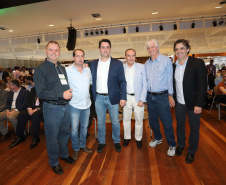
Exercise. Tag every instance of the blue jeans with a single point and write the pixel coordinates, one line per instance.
(158, 107)
(102, 104)
(57, 130)
(82, 116)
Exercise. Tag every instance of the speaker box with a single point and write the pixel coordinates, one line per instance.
(72, 35)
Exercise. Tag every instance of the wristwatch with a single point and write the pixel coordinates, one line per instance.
(170, 95)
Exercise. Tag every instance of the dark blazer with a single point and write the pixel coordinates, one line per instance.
(21, 101)
(116, 81)
(211, 83)
(32, 100)
(194, 83)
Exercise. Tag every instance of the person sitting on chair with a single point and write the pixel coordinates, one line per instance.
(221, 92)
(33, 113)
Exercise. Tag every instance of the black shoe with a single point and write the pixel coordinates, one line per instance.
(57, 169)
(4, 137)
(189, 158)
(139, 144)
(18, 141)
(100, 148)
(179, 151)
(126, 142)
(118, 147)
(35, 142)
(68, 160)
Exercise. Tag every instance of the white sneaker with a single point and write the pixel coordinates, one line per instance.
(155, 142)
(171, 151)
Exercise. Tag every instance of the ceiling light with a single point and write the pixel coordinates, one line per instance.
(137, 29)
(97, 16)
(175, 26)
(193, 25)
(97, 32)
(51, 25)
(160, 27)
(86, 33)
(221, 21)
(106, 32)
(124, 30)
(214, 23)
(155, 12)
(101, 31)
(219, 6)
(11, 30)
(91, 32)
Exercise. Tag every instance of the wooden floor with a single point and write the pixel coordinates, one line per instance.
(131, 166)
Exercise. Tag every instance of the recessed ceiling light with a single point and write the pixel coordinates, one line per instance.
(51, 24)
(155, 12)
(97, 16)
(219, 6)
(11, 30)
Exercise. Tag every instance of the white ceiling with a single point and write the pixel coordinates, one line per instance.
(29, 21)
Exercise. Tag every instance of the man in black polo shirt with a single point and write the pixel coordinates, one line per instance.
(52, 86)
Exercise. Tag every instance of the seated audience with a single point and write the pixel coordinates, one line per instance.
(10, 71)
(3, 98)
(33, 113)
(29, 83)
(24, 71)
(16, 72)
(219, 79)
(221, 92)
(5, 74)
(16, 102)
(31, 72)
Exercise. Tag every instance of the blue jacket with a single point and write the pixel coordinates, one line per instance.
(140, 84)
(116, 81)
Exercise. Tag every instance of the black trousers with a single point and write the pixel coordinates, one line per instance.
(35, 118)
(194, 122)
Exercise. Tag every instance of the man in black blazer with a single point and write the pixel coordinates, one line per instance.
(108, 90)
(190, 85)
(33, 113)
(16, 102)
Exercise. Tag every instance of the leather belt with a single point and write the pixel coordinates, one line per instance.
(54, 103)
(158, 93)
(131, 94)
(103, 94)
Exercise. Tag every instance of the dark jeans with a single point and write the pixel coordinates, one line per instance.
(22, 119)
(57, 130)
(194, 122)
(158, 107)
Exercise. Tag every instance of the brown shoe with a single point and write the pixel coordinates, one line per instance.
(75, 155)
(86, 149)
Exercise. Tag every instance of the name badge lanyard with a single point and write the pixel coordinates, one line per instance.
(61, 77)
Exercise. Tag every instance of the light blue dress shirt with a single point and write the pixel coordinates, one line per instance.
(218, 80)
(80, 83)
(159, 74)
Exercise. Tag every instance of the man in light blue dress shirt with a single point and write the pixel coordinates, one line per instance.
(160, 95)
(79, 79)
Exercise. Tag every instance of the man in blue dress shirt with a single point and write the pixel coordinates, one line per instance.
(79, 79)
(160, 95)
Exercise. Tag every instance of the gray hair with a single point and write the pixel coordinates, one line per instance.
(152, 40)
